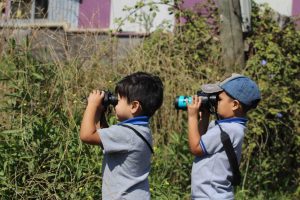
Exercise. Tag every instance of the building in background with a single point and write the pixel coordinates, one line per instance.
(67, 29)
(75, 15)
(105, 15)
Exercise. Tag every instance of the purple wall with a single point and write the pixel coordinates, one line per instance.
(188, 5)
(296, 11)
(198, 6)
(94, 14)
(296, 8)
(7, 9)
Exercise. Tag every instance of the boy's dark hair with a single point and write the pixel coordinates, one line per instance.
(143, 87)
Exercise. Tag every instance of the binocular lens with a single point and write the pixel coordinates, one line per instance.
(113, 100)
(109, 99)
(180, 102)
(207, 101)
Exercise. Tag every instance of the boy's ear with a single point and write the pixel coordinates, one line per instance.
(236, 105)
(136, 107)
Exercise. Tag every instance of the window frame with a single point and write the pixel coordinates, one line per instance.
(32, 11)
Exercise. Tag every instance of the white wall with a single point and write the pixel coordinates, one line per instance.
(284, 7)
(117, 12)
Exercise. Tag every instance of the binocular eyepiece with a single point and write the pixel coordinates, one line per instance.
(208, 101)
(109, 99)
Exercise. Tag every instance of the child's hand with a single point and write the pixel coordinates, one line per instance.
(193, 107)
(95, 98)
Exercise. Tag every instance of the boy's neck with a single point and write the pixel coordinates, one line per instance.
(239, 113)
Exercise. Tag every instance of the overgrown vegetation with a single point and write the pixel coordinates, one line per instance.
(42, 104)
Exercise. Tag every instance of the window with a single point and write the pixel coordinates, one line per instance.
(20, 9)
(41, 9)
(2, 8)
(28, 9)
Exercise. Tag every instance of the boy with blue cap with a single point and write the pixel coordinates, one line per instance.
(213, 173)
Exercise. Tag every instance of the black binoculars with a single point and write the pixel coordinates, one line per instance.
(109, 99)
(208, 101)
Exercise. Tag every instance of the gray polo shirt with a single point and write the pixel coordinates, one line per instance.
(126, 162)
(210, 171)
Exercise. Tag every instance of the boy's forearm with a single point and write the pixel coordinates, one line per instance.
(88, 129)
(197, 127)
(194, 136)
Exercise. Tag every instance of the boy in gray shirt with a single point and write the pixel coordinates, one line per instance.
(127, 146)
(212, 172)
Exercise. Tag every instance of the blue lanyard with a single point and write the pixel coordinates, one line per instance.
(239, 120)
(140, 120)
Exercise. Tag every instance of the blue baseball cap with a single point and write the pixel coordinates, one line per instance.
(238, 87)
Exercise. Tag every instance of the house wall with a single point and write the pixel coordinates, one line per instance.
(197, 6)
(296, 8)
(60, 46)
(296, 12)
(286, 8)
(94, 14)
(64, 11)
(101, 14)
(283, 7)
(7, 9)
(59, 12)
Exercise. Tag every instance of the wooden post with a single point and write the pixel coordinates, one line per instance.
(231, 35)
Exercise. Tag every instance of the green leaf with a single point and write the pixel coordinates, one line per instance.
(15, 131)
(38, 76)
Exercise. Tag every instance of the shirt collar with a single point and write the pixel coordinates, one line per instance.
(140, 120)
(239, 120)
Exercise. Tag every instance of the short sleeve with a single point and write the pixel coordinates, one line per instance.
(115, 139)
(210, 142)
